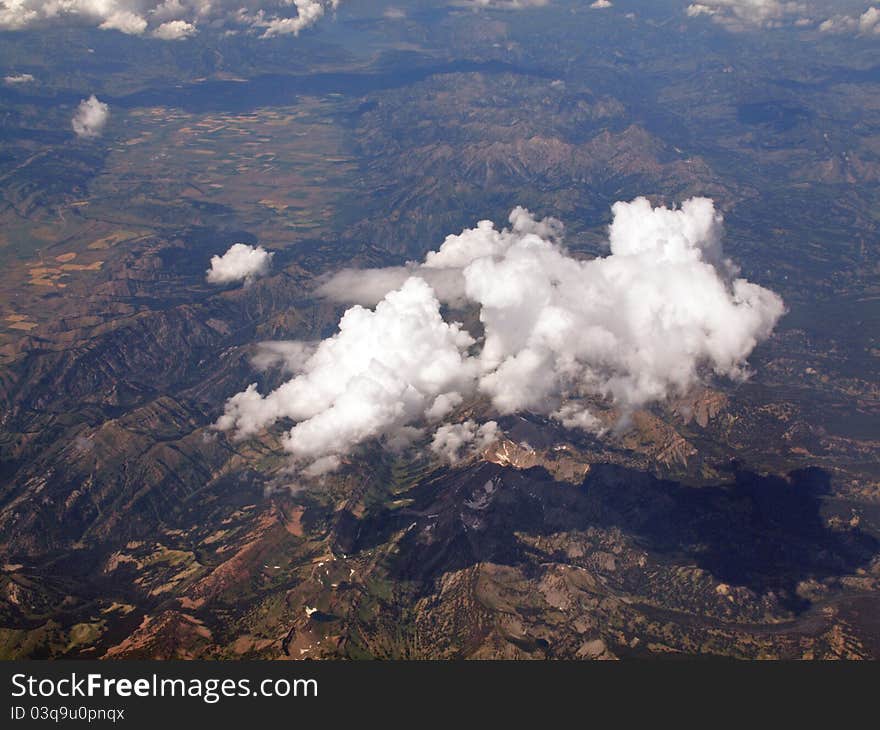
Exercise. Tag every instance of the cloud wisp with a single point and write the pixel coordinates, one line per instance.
(645, 322)
(169, 19)
(502, 4)
(241, 262)
(14, 79)
(452, 441)
(90, 118)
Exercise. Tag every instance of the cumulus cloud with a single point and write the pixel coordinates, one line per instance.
(170, 19)
(866, 24)
(601, 4)
(90, 118)
(309, 12)
(380, 373)
(649, 320)
(737, 14)
(174, 30)
(240, 263)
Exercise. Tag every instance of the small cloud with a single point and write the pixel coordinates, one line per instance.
(456, 441)
(601, 4)
(697, 9)
(240, 263)
(90, 118)
(175, 30)
(18, 79)
(575, 416)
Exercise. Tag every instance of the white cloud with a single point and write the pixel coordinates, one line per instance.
(647, 321)
(171, 19)
(601, 4)
(738, 14)
(866, 24)
(378, 374)
(634, 326)
(576, 416)
(18, 79)
(175, 30)
(367, 287)
(90, 118)
(125, 22)
(443, 405)
(869, 21)
(240, 263)
(696, 9)
(309, 12)
(455, 441)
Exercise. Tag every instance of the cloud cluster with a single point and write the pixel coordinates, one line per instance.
(737, 14)
(644, 322)
(240, 263)
(90, 118)
(169, 19)
(866, 24)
